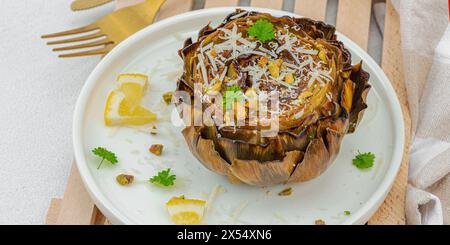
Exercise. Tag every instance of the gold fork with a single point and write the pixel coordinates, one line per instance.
(108, 31)
(87, 4)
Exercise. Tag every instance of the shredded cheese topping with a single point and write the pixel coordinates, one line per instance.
(302, 67)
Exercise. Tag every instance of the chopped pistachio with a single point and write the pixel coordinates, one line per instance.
(319, 222)
(322, 56)
(232, 72)
(156, 149)
(214, 53)
(318, 46)
(167, 97)
(263, 61)
(124, 179)
(274, 68)
(214, 88)
(289, 78)
(279, 62)
(285, 192)
(153, 130)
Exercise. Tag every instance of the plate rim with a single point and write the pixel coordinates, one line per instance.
(115, 216)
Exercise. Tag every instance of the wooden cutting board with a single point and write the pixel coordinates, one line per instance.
(353, 20)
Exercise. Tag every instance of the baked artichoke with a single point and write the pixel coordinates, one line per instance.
(321, 96)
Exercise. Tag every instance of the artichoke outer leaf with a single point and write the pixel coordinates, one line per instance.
(315, 161)
(347, 95)
(191, 136)
(316, 29)
(255, 173)
(362, 88)
(292, 142)
(251, 136)
(360, 108)
(203, 149)
(233, 179)
(333, 143)
(237, 149)
(211, 158)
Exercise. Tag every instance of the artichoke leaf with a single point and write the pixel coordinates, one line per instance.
(237, 149)
(315, 162)
(362, 87)
(204, 150)
(252, 172)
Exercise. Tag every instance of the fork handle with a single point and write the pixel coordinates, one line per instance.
(125, 3)
(87, 4)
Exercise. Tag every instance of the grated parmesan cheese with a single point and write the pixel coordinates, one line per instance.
(238, 15)
(212, 196)
(299, 114)
(237, 212)
(203, 68)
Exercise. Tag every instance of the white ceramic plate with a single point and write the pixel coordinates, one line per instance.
(154, 51)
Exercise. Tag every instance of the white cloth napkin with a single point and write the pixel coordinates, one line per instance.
(425, 34)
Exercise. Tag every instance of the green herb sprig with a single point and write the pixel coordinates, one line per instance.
(262, 29)
(164, 178)
(105, 155)
(364, 160)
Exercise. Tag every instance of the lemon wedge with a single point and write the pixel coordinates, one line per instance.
(119, 111)
(186, 211)
(133, 85)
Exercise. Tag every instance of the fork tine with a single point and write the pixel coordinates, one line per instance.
(77, 39)
(85, 45)
(87, 28)
(101, 51)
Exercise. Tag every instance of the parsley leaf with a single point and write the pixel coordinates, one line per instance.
(163, 178)
(364, 160)
(232, 94)
(105, 155)
(262, 29)
(347, 213)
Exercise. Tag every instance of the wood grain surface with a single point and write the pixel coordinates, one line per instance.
(220, 3)
(353, 20)
(314, 9)
(392, 211)
(77, 206)
(174, 7)
(53, 211)
(271, 4)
